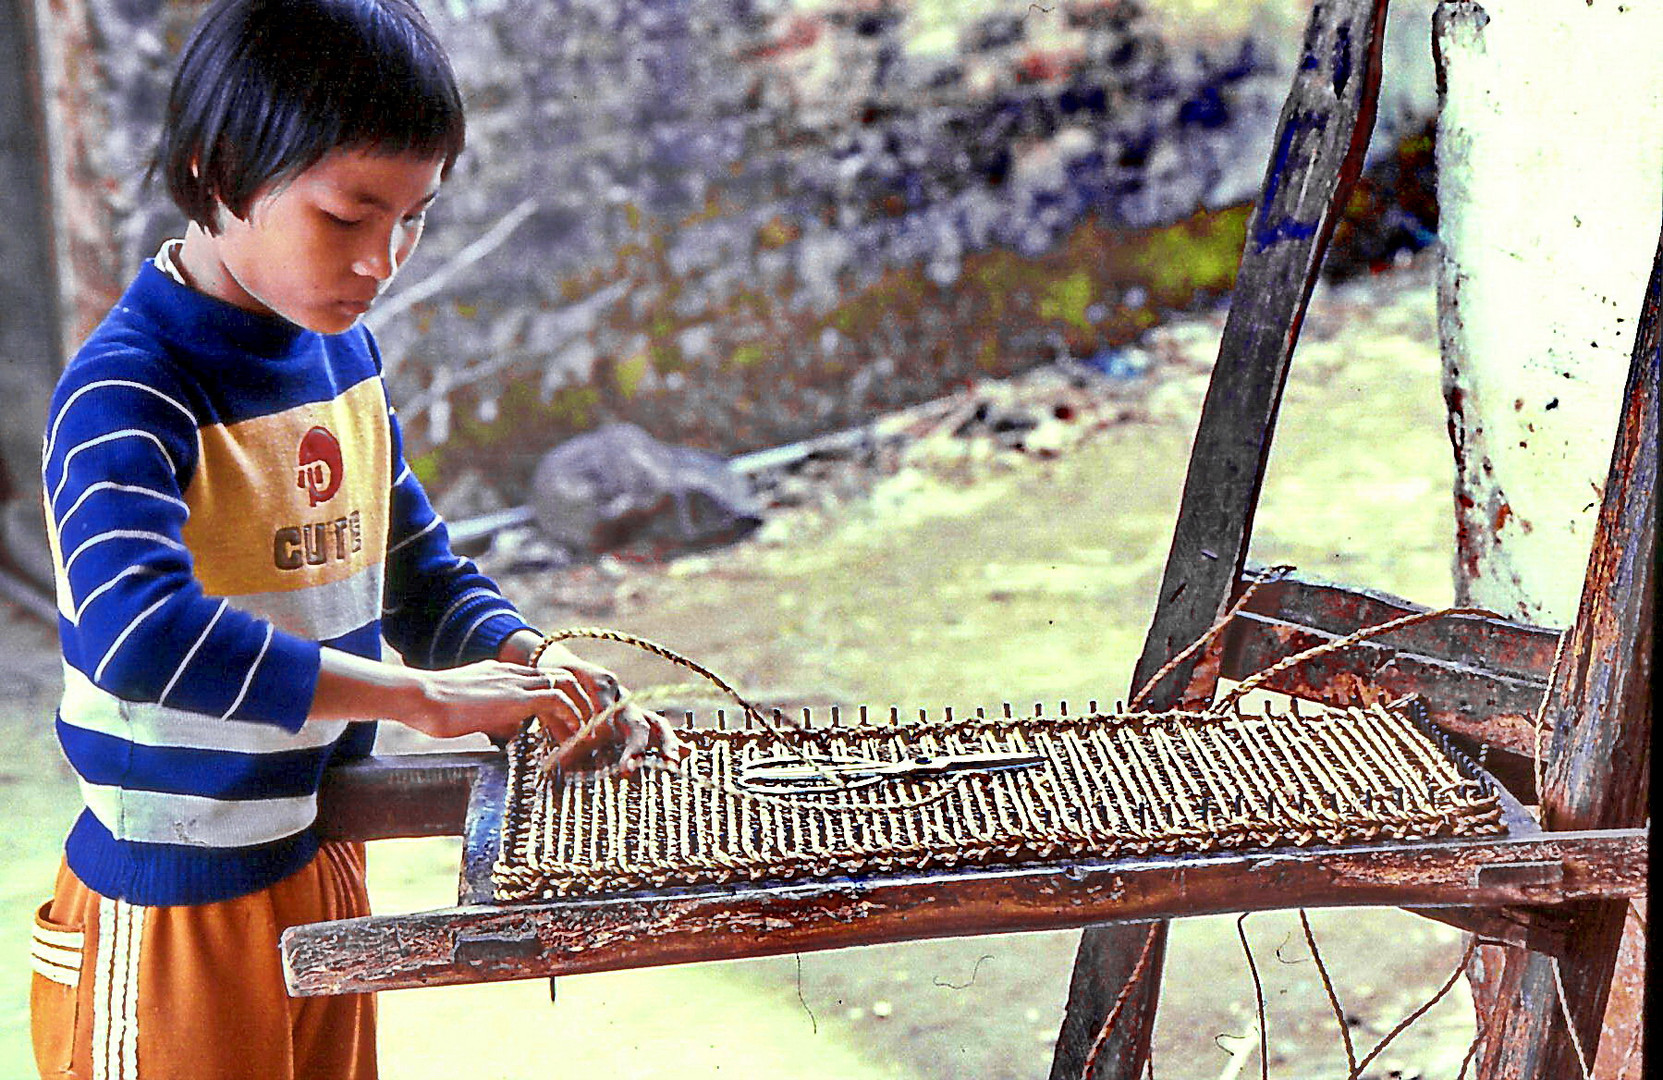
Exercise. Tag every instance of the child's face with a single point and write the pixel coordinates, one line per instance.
(318, 250)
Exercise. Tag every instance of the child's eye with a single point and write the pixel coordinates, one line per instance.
(417, 218)
(336, 219)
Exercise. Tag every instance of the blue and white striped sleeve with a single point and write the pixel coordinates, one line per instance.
(121, 443)
(441, 611)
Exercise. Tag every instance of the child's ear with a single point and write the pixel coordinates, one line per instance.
(221, 214)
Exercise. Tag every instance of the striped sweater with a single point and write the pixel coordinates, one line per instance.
(224, 492)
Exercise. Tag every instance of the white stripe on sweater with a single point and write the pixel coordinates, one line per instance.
(126, 631)
(456, 605)
(52, 436)
(130, 571)
(124, 534)
(113, 436)
(462, 646)
(86, 706)
(413, 537)
(320, 612)
(248, 676)
(130, 489)
(190, 653)
(158, 817)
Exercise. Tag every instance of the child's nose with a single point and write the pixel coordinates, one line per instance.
(380, 259)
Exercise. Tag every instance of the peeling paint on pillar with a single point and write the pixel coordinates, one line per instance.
(1550, 184)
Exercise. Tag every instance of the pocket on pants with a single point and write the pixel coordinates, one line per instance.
(55, 955)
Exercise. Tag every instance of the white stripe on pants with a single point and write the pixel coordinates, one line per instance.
(115, 1019)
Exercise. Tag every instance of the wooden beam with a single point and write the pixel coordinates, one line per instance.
(1483, 679)
(485, 942)
(1318, 152)
(406, 795)
(482, 831)
(1492, 714)
(1323, 132)
(1539, 928)
(1496, 645)
(1599, 758)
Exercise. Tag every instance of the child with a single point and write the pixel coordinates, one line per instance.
(234, 531)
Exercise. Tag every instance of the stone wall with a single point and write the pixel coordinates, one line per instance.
(751, 226)
(740, 222)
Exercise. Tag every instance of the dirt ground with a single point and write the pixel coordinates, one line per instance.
(968, 575)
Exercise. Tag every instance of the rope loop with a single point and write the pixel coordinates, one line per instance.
(836, 782)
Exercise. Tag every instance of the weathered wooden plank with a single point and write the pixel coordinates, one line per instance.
(482, 831)
(1599, 758)
(1483, 679)
(1496, 645)
(1537, 927)
(1489, 715)
(478, 943)
(1323, 131)
(404, 795)
(1541, 929)
(1318, 151)
(1499, 709)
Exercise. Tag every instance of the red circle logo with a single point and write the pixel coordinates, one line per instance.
(319, 469)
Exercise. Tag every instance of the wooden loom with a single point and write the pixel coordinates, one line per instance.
(1557, 891)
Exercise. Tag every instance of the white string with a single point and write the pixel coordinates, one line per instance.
(1570, 1026)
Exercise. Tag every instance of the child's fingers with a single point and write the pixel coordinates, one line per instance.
(582, 702)
(561, 702)
(630, 737)
(638, 740)
(664, 739)
(559, 714)
(600, 686)
(580, 744)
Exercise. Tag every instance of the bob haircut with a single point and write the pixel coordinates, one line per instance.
(266, 88)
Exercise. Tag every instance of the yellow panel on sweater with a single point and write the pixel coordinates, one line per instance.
(292, 500)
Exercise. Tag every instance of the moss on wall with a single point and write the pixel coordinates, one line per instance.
(903, 339)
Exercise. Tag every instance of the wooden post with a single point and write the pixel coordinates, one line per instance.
(1599, 756)
(1320, 141)
(31, 346)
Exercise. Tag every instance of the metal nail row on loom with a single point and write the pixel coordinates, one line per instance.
(779, 717)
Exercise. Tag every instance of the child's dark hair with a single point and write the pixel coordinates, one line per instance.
(266, 88)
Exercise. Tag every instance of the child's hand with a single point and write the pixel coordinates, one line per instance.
(629, 735)
(493, 697)
(497, 698)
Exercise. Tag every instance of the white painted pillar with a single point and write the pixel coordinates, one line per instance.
(1550, 193)
(1550, 188)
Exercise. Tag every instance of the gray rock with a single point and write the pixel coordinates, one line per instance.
(619, 489)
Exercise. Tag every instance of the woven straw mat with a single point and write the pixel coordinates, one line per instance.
(1109, 785)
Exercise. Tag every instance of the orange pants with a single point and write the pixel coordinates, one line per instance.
(123, 992)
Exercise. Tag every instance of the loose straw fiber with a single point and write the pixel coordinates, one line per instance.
(1124, 784)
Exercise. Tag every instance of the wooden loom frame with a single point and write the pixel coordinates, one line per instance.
(1557, 893)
